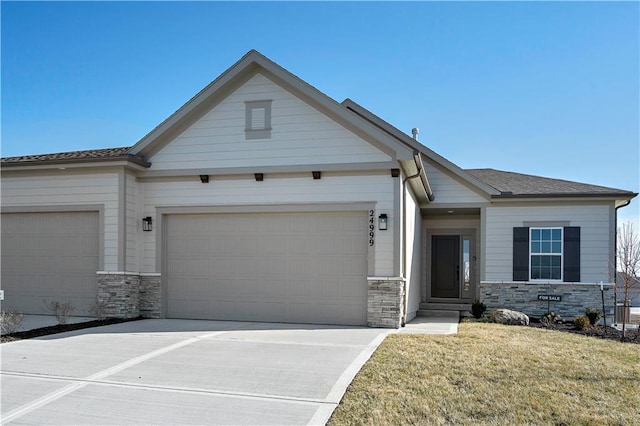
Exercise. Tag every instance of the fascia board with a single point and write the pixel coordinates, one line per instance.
(429, 153)
(75, 164)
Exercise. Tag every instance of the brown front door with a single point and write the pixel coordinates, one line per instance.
(445, 266)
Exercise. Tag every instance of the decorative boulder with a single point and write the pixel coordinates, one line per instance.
(509, 317)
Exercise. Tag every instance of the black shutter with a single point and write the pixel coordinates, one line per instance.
(521, 254)
(571, 254)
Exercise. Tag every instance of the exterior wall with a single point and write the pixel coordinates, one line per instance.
(447, 190)
(413, 253)
(132, 219)
(118, 294)
(68, 188)
(331, 189)
(594, 220)
(300, 135)
(385, 302)
(523, 297)
(150, 296)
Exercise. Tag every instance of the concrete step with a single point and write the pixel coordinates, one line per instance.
(432, 313)
(433, 306)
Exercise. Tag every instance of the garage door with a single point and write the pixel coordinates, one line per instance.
(49, 256)
(302, 267)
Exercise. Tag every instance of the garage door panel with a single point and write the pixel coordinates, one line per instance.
(270, 267)
(52, 256)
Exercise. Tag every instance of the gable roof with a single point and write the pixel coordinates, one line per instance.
(511, 185)
(240, 72)
(90, 155)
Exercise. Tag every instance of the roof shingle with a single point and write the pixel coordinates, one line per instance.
(518, 184)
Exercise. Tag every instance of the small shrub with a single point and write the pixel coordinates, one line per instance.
(99, 309)
(593, 314)
(60, 310)
(550, 319)
(478, 309)
(581, 322)
(10, 321)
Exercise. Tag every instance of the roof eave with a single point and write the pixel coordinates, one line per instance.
(611, 196)
(75, 161)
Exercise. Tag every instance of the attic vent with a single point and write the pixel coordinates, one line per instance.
(258, 119)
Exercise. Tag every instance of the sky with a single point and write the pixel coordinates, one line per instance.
(544, 88)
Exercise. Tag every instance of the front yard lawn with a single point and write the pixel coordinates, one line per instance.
(495, 374)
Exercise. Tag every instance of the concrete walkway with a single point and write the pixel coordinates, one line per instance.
(443, 324)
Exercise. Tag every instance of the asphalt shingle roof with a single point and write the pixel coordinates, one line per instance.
(73, 155)
(518, 184)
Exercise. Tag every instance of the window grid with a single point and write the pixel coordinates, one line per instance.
(545, 249)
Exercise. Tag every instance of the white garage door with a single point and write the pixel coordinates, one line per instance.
(49, 256)
(277, 267)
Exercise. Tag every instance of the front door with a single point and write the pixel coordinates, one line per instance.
(445, 266)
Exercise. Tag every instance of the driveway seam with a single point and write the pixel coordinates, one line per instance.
(53, 396)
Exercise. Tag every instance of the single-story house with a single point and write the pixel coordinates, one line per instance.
(263, 199)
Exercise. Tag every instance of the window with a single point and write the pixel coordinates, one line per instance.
(546, 253)
(258, 119)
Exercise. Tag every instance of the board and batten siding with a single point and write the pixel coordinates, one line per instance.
(300, 135)
(448, 190)
(69, 189)
(595, 241)
(331, 189)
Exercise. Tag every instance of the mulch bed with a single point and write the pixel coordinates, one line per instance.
(598, 331)
(61, 328)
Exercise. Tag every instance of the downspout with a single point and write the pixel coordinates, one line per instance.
(615, 258)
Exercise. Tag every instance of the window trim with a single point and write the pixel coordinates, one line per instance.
(561, 254)
(257, 133)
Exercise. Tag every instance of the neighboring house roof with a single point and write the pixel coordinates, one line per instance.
(512, 184)
(104, 154)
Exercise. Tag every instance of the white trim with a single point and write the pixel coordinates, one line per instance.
(116, 273)
(386, 279)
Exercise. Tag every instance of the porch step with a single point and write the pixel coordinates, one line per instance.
(433, 306)
(438, 313)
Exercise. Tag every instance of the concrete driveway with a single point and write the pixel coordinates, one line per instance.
(183, 372)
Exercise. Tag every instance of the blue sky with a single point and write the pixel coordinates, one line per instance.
(543, 88)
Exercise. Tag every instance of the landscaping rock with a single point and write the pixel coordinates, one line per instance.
(509, 317)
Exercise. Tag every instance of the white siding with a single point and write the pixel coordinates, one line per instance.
(300, 135)
(286, 190)
(447, 190)
(595, 247)
(413, 253)
(132, 220)
(70, 189)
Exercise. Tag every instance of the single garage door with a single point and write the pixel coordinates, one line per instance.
(275, 267)
(49, 256)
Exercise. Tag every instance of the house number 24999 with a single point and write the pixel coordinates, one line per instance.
(372, 227)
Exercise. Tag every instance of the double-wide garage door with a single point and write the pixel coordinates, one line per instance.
(278, 267)
(49, 257)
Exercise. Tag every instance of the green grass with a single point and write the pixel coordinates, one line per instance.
(494, 374)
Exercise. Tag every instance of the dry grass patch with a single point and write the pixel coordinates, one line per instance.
(493, 374)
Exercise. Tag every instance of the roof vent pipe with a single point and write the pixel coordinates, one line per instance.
(415, 131)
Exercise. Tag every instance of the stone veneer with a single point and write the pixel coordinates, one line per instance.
(385, 304)
(523, 297)
(129, 294)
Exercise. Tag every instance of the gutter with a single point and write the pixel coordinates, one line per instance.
(128, 157)
(423, 176)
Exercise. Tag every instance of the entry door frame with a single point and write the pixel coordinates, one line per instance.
(466, 293)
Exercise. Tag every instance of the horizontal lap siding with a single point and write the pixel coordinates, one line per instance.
(132, 220)
(286, 190)
(595, 247)
(447, 190)
(300, 135)
(71, 189)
